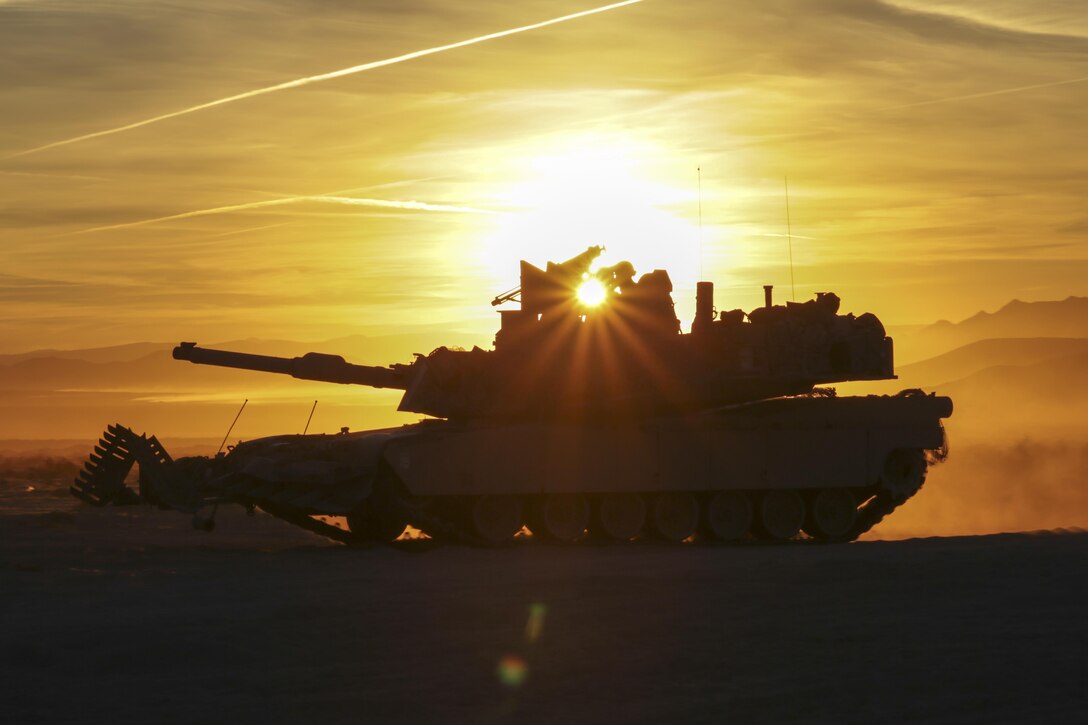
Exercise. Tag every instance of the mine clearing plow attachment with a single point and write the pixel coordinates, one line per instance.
(193, 485)
(102, 479)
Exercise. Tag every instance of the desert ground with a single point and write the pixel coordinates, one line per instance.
(128, 614)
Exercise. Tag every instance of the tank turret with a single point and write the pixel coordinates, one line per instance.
(603, 343)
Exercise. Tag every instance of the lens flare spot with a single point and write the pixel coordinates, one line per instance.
(512, 670)
(534, 627)
(592, 293)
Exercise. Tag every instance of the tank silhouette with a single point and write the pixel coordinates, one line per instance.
(594, 415)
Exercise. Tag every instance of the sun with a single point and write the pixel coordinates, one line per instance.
(591, 293)
(598, 190)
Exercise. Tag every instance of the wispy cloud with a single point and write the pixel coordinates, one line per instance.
(987, 94)
(298, 82)
(319, 198)
(43, 175)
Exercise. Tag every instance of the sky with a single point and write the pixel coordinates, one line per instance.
(935, 153)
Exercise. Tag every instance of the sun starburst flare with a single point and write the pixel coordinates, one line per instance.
(591, 293)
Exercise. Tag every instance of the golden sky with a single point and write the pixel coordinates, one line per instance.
(936, 152)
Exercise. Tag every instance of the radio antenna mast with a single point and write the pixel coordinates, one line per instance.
(699, 172)
(232, 427)
(789, 236)
(310, 418)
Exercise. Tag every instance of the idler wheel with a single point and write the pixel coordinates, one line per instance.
(904, 473)
(561, 517)
(675, 516)
(620, 516)
(495, 519)
(832, 515)
(781, 515)
(729, 515)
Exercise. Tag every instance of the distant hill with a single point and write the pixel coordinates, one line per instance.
(74, 393)
(977, 356)
(1063, 318)
(153, 372)
(1033, 376)
(149, 366)
(397, 347)
(114, 353)
(1002, 389)
(1044, 400)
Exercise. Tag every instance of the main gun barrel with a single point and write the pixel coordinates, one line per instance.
(311, 366)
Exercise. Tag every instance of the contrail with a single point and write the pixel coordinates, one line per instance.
(986, 94)
(70, 177)
(324, 77)
(321, 198)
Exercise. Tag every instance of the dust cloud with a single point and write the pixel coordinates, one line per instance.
(984, 488)
(37, 467)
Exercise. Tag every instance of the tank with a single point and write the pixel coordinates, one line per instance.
(593, 416)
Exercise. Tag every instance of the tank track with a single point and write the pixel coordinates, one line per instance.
(305, 521)
(872, 512)
(172, 484)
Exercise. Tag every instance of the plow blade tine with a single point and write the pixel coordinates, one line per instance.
(102, 478)
(113, 450)
(86, 477)
(84, 496)
(158, 449)
(106, 461)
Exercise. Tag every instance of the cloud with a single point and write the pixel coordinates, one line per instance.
(987, 94)
(323, 199)
(299, 82)
(978, 198)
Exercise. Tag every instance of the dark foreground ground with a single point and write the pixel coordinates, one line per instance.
(131, 616)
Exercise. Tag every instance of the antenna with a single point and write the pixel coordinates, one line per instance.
(232, 427)
(310, 418)
(699, 172)
(789, 236)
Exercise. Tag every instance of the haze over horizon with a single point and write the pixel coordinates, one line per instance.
(934, 152)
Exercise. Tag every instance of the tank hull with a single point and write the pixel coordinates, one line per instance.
(801, 443)
(832, 467)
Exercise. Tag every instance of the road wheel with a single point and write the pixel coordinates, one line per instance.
(675, 516)
(380, 526)
(729, 515)
(561, 517)
(620, 516)
(831, 515)
(781, 515)
(495, 519)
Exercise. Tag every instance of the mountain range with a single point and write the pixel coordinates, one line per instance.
(1066, 318)
(1016, 371)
